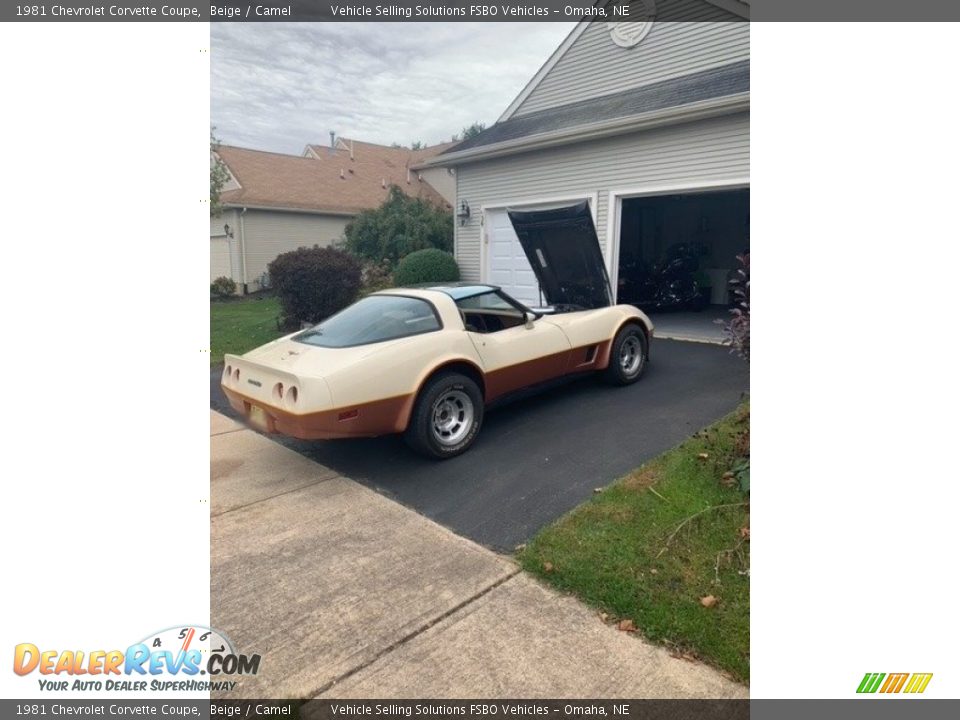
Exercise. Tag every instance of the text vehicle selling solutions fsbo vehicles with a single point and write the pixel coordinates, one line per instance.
(426, 361)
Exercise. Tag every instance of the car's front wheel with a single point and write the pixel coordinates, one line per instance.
(628, 356)
(446, 417)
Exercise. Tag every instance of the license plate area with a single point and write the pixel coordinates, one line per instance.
(259, 419)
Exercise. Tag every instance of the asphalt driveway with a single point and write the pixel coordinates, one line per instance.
(539, 457)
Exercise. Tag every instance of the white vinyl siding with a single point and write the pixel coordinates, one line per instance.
(224, 254)
(220, 265)
(442, 180)
(706, 151)
(268, 233)
(594, 66)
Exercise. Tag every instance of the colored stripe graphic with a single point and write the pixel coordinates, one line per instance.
(895, 682)
(918, 682)
(870, 682)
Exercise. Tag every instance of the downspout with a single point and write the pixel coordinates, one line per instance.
(243, 254)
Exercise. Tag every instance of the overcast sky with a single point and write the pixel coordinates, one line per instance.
(277, 86)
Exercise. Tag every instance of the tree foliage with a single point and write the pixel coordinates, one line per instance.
(473, 130)
(469, 132)
(400, 226)
(219, 176)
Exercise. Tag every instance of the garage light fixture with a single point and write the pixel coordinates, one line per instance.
(464, 213)
(227, 231)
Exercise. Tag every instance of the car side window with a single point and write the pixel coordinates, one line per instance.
(488, 313)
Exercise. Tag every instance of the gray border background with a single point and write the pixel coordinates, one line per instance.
(320, 10)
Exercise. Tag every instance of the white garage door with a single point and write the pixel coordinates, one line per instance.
(507, 266)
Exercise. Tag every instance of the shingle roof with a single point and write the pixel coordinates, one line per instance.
(292, 182)
(718, 82)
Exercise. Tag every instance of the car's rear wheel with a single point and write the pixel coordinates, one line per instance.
(628, 356)
(446, 417)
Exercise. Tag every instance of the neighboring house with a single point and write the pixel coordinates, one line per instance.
(274, 203)
(648, 122)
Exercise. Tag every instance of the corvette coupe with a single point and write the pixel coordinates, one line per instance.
(427, 361)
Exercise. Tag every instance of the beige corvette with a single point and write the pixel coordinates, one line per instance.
(427, 361)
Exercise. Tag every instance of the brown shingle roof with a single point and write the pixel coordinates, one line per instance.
(314, 183)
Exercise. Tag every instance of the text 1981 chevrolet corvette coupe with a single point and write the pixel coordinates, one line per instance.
(426, 361)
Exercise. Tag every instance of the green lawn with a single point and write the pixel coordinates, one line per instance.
(639, 551)
(237, 326)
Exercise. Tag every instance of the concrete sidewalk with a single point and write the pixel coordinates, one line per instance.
(345, 593)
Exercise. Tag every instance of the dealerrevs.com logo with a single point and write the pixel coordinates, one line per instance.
(911, 683)
(174, 659)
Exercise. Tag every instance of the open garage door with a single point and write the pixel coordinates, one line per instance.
(677, 252)
(506, 263)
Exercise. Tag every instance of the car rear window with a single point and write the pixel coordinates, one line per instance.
(374, 319)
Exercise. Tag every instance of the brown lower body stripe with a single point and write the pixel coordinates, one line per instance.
(380, 417)
(390, 416)
(549, 367)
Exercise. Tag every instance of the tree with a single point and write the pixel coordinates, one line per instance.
(400, 226)
(473, 130)
(219, 176)
(417, 145)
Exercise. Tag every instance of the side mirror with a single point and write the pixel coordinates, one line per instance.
(528, 318)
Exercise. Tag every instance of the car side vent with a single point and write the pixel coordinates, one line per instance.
(590, 355)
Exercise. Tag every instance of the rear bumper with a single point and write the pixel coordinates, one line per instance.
(372, 419)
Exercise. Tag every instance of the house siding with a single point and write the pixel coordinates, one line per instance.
(706, 151)
(224, 253)
(594, 66)
(268, 233)
(443, 181)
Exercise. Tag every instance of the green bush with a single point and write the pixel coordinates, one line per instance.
(314, 283)
(376, 276)
(426, 266)
(400, 226)
(223, 287)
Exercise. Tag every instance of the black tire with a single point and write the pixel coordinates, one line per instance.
(446, 417)
(628, 356)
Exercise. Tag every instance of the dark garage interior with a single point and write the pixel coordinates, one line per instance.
(678, 252)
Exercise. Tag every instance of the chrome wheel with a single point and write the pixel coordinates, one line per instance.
(631, 355)
(452, 417)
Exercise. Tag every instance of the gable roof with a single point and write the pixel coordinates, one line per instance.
(712, 91)
(667, 10)
(329, 182)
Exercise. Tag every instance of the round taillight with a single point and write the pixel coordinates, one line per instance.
(292, 395)
(236, 375)
(278, 391)
(228, 371)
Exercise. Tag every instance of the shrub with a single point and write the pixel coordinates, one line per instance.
(737, 330)
(223, 287)
(376, 276)
(400, 226)
(425, 266)
(314, 283)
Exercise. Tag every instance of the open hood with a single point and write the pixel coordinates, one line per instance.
(564, 252)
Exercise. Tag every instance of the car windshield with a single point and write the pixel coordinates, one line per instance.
(374, 319)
